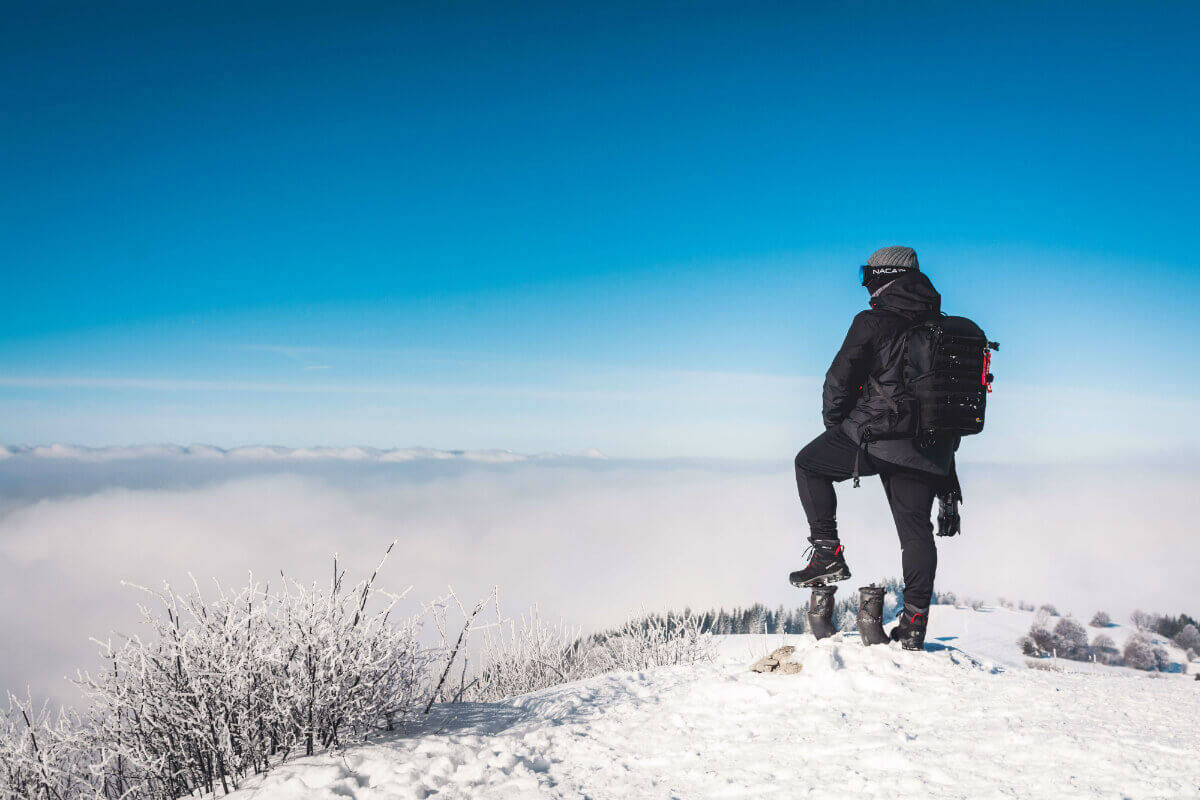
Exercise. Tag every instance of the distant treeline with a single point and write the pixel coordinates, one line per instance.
(1065, 639)
(759, 618)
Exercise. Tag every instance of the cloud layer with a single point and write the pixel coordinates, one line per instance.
(590, 540)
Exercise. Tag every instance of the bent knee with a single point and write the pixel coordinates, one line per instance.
(803, 468)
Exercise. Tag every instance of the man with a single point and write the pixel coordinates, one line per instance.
(856, 392)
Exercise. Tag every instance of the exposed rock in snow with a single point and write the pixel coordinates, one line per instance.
(780, 660)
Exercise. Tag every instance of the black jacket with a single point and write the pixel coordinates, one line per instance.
(874, 348)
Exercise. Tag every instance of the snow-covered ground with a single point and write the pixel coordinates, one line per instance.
(967, 719)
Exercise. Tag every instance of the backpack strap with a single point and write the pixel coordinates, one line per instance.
(952, 479)
(862, 448)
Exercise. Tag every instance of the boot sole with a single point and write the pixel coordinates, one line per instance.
(822, 580)
(907, 645)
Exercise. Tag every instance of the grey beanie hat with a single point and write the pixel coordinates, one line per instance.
(894, 256)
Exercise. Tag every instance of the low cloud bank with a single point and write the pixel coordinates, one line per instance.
(590, 540)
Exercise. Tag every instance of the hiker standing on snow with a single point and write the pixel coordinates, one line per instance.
(861, 388)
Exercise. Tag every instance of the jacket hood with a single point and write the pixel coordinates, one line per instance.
(912, 295)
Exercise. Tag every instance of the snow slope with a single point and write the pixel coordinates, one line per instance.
(965, 720)
(991, 633)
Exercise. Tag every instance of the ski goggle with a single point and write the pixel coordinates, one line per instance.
(867, 273)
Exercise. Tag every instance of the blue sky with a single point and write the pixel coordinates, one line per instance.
(622, 226)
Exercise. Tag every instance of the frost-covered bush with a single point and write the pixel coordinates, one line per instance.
(530, 654)
(223, 687)
(1044, 641)
(521, 656)
(229, 685)
(226, 686)
(1025, 606)
(658, 641)
(1100, 620)
(44, 754)
(1040, 641)
(1141, 653)
(1068, 639)
(1105, 650)
(1072, 641)
(1141, 620)
(1049, 609)
(952, 599)
(1188, 638)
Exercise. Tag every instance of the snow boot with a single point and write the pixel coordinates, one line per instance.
(820, 611)
(910, 631)
(870, 615)
(826, 565)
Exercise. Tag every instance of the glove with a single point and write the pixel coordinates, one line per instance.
(949, 523)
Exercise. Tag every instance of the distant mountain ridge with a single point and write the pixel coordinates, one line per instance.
(279, 453)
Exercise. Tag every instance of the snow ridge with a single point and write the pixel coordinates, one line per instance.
(276, 453)
(876, 722)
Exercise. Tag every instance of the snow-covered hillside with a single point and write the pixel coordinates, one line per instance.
(967, 719)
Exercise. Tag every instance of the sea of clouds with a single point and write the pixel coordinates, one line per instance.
(586, 538)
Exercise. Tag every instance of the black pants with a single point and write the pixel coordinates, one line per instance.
(830, 458)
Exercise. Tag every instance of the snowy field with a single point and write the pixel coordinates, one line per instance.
(967, 719)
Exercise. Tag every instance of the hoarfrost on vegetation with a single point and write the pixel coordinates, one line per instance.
(1142, 653)
(1188, 638)
(227, 687)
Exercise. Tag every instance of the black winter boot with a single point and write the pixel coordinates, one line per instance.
(820, 611)
(870, 615)
(826, 565)
(910, 631)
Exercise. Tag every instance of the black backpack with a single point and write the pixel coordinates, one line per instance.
(945, 368)
(947, 378)
(947, 363)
